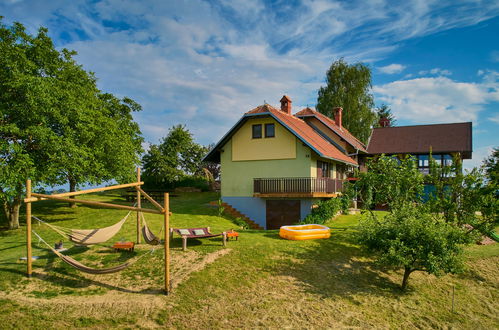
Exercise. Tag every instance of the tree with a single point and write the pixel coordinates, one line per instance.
(491, 168)
(55, 124)
(412, 239)
(384, 112)
(174, 158)
(463, 199)
(348, 86)
(414, 235)
(390, 181)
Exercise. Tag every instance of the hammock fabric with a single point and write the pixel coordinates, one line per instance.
(88, 236)
(81, 267)
(148, 235)
(95, 236)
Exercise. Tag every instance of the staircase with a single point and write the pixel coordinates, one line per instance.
(228, 209)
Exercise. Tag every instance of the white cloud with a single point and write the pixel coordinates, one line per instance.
(495, 118)
(205, 63)
(477, 157)
(438, 99)
(435, 72)
(392, 68)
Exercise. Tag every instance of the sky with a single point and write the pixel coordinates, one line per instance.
(205, 63)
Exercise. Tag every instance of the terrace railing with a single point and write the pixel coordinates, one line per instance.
(297, 185)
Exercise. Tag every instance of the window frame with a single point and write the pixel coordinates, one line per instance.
(253, 131)
(273, 130)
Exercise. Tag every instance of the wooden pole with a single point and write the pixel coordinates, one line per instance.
(167, 241)
(101, 204)
(88, 191)
(28, 230)
(153, 202)
(138, 205)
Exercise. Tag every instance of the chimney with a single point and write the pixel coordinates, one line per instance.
(286, 104)
(337, 116)
(384, 122)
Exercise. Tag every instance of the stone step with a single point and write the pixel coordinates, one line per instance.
(237, 214)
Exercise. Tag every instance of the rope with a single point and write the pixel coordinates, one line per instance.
(162, 227)
(58, 253)
(65, 232)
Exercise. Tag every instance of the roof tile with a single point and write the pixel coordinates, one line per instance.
(342, 132)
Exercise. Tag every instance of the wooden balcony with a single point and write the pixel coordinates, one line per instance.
(297, 187)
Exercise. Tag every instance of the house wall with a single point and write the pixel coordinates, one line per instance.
(281, 146)
(255, 208)
(237, 176)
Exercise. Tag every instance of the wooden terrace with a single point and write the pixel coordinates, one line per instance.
(297, 187)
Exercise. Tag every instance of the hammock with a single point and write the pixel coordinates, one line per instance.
(148, 235)
(88, 236)
(73, 263)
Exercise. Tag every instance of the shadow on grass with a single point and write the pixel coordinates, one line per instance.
(337, 267)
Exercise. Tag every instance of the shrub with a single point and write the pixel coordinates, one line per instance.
(193, 181)
(324, 211)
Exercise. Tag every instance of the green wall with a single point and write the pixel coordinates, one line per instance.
(237, 176)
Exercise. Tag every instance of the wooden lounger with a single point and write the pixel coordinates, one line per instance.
(187, 233)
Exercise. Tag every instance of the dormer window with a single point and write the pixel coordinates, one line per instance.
(269, 130)
(257, 131)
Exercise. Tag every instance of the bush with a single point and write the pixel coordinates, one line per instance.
(193, 181)
(324, 211)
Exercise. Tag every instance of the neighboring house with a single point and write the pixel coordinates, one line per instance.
(445, 141)
(275, 165)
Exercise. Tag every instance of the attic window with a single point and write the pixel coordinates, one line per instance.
(269, 130)
(257, 131)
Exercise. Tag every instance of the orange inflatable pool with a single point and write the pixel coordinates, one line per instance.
(302, 232)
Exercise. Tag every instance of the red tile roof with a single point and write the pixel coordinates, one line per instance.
(306, 133)
(341, 132)
(441, 138)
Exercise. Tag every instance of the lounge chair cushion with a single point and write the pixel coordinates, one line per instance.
(199, 232)
(184, 232)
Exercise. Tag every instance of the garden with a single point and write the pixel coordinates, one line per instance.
(260, 280)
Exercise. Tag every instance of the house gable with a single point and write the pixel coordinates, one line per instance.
(245, 147)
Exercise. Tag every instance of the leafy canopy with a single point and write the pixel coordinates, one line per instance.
(55, 124)
(417, 234)
(348, 86)
(174, 158)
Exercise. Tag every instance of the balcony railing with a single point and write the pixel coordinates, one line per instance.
(297, 185)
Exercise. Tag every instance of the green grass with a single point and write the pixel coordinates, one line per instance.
(264, 281)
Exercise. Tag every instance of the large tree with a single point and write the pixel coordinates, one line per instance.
(175, 157)
(55, 124)
(349, 86)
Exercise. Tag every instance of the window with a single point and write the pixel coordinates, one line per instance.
(424, 164)
(423, 161)
(446, 160)
(269, 130)
(323, 170)
(257, 131)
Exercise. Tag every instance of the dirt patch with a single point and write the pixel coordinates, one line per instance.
(110, 295)
(187, 267)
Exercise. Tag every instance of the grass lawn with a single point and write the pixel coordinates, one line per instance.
(258, 281)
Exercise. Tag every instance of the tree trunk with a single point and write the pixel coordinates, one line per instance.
(12, 212)
(405, 281)
(72, 188)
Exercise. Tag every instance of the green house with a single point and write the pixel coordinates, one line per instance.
(275, 165)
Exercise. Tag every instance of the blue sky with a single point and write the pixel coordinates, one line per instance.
(205, 63)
